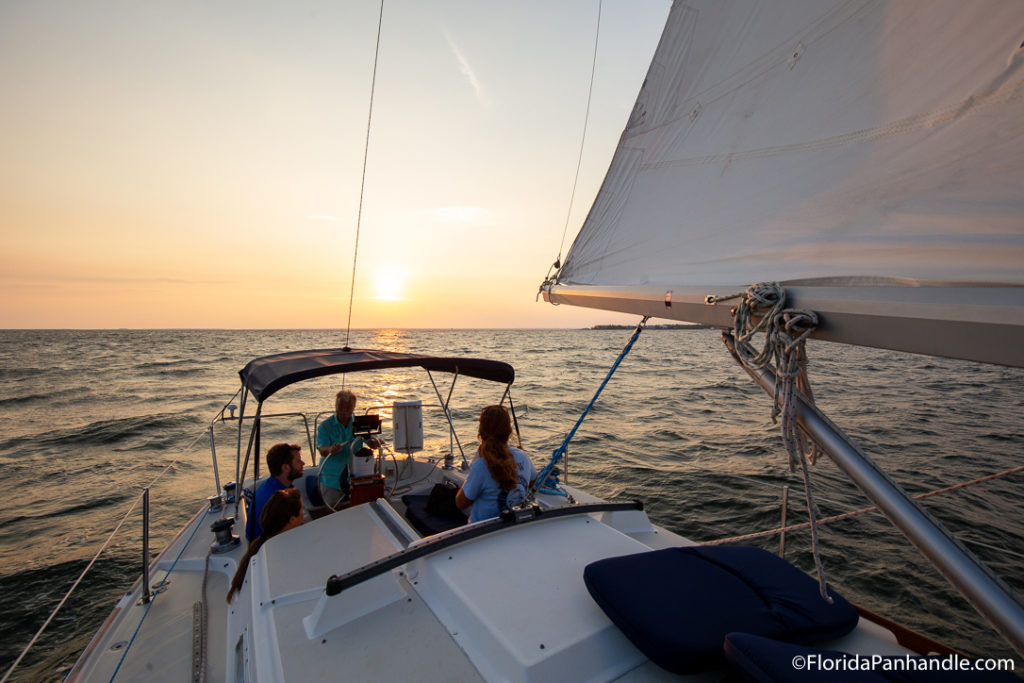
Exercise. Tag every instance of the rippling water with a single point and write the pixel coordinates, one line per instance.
(90, 417)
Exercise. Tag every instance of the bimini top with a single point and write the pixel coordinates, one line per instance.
(264, 376)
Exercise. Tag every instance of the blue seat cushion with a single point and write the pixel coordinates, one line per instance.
(765, 660)
(313, 492)
(677, 605)
(425, 522)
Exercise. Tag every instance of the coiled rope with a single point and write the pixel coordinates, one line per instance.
(785, 334)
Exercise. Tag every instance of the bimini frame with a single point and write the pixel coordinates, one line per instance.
(262, 377)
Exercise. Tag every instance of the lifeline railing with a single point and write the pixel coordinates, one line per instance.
(781, 530)
(143, 498)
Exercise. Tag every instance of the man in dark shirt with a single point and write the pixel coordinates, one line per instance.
(284, 461)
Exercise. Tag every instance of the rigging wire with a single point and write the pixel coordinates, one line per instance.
(149, 605)
(70, 591)
(867, 510)
(89, 566)
(583, 140)
(99, 552)
(362, 181)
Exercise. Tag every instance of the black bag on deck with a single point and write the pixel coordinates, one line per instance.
(442, 499)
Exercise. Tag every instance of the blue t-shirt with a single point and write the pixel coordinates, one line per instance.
(269, 487)
(330, 431)
(481, 488)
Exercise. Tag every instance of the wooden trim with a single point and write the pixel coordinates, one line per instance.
(910, 639)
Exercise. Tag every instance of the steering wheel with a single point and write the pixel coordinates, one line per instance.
(332, 467)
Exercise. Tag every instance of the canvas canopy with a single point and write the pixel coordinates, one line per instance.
(264, 376)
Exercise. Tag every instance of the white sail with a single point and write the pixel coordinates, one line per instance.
(868, 154)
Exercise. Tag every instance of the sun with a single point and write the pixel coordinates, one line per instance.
(388, 286)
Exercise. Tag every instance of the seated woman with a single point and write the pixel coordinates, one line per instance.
(500, 474)
(283, 511)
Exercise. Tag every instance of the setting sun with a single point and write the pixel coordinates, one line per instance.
(166, 203)
(388, 286)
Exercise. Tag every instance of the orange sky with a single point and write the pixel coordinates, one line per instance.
(197, 165)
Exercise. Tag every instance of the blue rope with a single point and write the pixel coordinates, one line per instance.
(145, 612)
(560, 452)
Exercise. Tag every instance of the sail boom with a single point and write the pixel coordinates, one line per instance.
(977, 323)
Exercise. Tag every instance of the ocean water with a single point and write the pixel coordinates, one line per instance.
(91, 417)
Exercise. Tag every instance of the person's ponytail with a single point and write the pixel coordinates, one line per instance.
(495, 429)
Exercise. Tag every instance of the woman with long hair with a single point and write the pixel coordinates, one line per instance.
(500, 474)
(283, 511)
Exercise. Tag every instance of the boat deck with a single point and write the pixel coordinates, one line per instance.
(527, 616)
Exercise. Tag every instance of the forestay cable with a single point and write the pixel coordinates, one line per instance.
(583, 139)
(549, 473)
(362, 181)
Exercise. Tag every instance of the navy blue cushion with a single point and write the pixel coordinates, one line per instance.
(765, 660)
(677, 605)
(313, 492)
(427, 523)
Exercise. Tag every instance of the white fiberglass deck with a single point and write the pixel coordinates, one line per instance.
(510, 605)
(516, 612)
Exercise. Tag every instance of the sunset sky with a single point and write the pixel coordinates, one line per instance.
(197, 164)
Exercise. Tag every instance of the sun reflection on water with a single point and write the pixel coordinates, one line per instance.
(390, 340)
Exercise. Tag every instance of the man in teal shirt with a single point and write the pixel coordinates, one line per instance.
(333, 432)
(332, 435)
(336, 442)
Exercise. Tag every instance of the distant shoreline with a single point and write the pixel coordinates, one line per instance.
(673, 326)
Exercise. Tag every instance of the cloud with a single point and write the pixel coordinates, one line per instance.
(467, 70)
(458, 216)
(54, 280)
